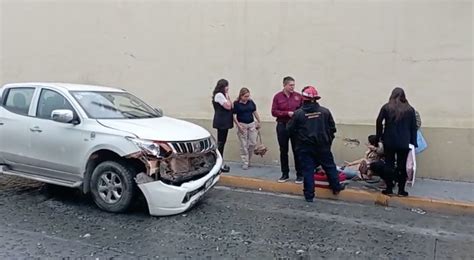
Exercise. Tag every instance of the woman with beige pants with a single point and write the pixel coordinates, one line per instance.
(245, 113)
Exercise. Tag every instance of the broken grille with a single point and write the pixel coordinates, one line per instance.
(199, 146)
(180, 169)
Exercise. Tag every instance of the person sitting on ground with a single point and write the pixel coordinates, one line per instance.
(362, 168)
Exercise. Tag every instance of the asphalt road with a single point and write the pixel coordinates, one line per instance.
(42, 221)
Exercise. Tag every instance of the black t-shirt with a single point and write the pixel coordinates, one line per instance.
(244, 112)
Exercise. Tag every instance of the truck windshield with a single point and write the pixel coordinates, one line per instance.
(113, 105)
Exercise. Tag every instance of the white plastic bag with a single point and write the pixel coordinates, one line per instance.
(411, 165)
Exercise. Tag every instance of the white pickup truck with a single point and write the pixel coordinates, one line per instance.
(107, 142)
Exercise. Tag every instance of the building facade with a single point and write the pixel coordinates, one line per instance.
(171, 53)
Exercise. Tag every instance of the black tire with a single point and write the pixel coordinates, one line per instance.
(116, 172)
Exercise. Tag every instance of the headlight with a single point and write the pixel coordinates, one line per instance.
(154, 148)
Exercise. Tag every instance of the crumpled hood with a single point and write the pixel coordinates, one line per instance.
(158, 129)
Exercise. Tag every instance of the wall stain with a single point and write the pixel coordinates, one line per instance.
(351, 142)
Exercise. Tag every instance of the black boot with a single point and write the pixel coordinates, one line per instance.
(225, 168)
(389, 189)
(341, 188)
(388, 176)
(401, 188)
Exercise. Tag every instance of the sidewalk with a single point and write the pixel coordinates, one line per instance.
(445, 196)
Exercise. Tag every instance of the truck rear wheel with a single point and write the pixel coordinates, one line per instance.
(112, 186)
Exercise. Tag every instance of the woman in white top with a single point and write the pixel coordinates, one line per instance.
(223, 120)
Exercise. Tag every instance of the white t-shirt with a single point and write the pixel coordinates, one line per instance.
(220, 98)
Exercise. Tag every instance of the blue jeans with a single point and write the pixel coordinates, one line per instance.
(309, 159)
(350, 173)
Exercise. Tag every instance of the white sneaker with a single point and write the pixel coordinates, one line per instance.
(299, 180)
(245, 167)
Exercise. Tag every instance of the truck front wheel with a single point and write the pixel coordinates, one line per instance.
(112, 186)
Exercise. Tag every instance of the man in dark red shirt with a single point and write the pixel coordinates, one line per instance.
(285, 103)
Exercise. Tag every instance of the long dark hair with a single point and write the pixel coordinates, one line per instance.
(398, 104)
(220, 87)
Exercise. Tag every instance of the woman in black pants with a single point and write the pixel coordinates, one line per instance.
(396, 134)
(223, 120)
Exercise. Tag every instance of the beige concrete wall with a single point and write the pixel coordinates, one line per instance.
(171, 53)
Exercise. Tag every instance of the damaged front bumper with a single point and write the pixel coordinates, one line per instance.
(167, 199)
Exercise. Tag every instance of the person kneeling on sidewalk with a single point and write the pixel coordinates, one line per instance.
(313, 128)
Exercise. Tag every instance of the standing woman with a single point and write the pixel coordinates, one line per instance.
(245, 111)
(396, 134)
(222, 115)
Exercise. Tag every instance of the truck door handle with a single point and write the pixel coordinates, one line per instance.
(36, 129)
(1, 123)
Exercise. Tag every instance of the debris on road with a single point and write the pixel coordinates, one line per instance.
(418, 211)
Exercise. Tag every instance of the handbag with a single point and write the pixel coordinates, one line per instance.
(260, 148)
(422, 145)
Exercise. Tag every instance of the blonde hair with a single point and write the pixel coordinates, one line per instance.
(243, 91)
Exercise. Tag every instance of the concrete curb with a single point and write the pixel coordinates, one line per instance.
(351, 195)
